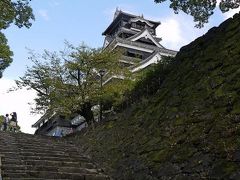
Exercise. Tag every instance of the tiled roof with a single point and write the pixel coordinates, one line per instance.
(121, 14)
(141, 45)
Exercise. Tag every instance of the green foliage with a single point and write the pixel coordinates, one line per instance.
(19, 13)
(201, 10)
(5, 54)
(115, 92)
(1, 120)
(69, 82)
(148, 81)
(186, 128)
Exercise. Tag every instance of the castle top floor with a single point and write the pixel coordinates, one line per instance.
(131, 22)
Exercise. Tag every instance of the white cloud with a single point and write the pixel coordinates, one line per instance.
(44, 14)
(171, 33)
(230, 13)
(17, 101)
(178, 30)
(175, 30)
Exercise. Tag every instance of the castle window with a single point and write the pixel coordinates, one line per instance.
(124, 23)
(134, 55)
(134, 25)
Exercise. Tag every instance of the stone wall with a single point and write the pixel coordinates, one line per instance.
(190, 128)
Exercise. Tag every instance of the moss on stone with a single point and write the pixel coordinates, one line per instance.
(189, 126)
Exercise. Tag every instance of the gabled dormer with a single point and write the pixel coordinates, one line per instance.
(139, 24)
(146, 37)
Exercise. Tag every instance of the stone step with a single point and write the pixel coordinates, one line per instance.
(27, 169)
(57, 153)
(8, 161)
(70, 169)
(13, 162)
(38, 145)
(34, 139)
(44, 162)
(55, 175)
(40, 150)
(31, 136)
(50, 155)
(38, 157)
(32, 179)
(22, 137)
(51, 158)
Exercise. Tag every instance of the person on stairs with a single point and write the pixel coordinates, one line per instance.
(5, 122)
(13, 122)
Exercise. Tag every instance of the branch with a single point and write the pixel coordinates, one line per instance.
(42, 82)
(39, 91)
(71, 74)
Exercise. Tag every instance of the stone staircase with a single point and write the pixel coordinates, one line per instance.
(32, 157)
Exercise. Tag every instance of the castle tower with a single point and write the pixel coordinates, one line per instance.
(136, 37)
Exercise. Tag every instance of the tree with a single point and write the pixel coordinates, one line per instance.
(68, 82)
(1, 120)
(19, 13)
(201, 10)
(5, 54)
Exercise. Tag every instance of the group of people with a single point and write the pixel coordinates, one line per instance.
(10, 123)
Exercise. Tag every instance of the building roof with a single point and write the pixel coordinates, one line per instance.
(111, 78)
(122, 14)
(126, 30)
(146, 62)
(146, 34)
(155, 57)
(142, 20)
(121, 42)
(45, 117)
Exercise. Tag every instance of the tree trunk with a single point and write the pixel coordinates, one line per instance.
(86, 112)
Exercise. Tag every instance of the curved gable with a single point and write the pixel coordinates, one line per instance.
(141, 20)
(145, 34)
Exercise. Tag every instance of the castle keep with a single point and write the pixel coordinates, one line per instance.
(133, 35)
(136, 37)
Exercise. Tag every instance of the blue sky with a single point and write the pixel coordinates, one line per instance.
(83, 21)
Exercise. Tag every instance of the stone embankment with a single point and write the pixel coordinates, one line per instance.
(189, 128)
(26, 156)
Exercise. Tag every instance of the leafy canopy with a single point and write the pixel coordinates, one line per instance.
(68, 82)
(201, 10)
(12, 12)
